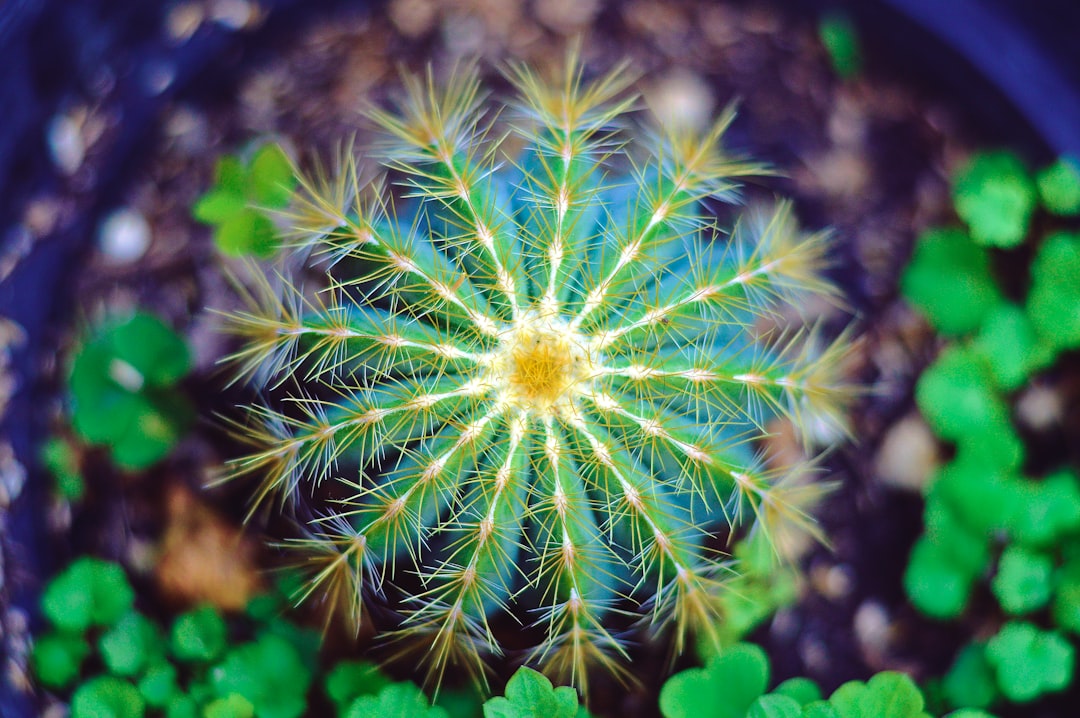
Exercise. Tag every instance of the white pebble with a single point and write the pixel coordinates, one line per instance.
(682, 101)
(124, 236)
(66, 144)
(233, 14)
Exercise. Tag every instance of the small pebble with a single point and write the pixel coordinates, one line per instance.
(682, 100)
(124, 236)
(413, 18)
(66, 146)
(566, 16)
(832, 582)
(183, 20)
(157, 76)
(908, 454)
(1040, 407)
(873, 628)
(233, 14)
(12, 475)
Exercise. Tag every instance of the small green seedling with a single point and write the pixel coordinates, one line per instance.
(841, 41)
(123, 390)
(60, 457)
(995, 196)
(1059, 187)
(243, 193)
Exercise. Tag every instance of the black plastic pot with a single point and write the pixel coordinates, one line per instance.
(1014, 65)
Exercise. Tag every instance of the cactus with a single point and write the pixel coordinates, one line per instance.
(534, 379)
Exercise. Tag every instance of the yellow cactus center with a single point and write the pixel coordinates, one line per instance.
(542, 364)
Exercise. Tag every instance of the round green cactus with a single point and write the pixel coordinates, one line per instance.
(535, 378)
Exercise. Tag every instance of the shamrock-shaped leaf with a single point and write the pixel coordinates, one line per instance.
(725, 688)
(937, 586)
(1066, 606)
(267, 672)
(122, 387)
(948, 279)
(970, 680)
(158, 684)
(130, 645)
(1053, 303)
(1023, 580)
(107, 697)
(57, 658)
(199, 635)
(885, 694)
(995, 196)
(802, 690)
(1059, 187)
(402, 700)
(1046, 510)
(956, 396)
(1008, 344)
(237, 204)
(90, 592)
(231, 706)
(1029, 662)
(530, 695)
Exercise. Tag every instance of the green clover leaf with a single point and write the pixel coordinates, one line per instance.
(995, 196)
(948, 279)
(885, 694)
(198, 636)
(1029, 662)
(107, 697)
(89, 592)
(1059, 187)
(725, 688)
(400, 700)
(242, 194)
(529, 694)
(130, 645)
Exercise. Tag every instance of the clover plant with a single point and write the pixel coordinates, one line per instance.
(734, 683)
(988, 526)
(124, 392)
(114, 661)
(841, 42)
(996, 196)
(238, 206)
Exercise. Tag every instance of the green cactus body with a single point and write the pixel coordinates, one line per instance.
(535, 388)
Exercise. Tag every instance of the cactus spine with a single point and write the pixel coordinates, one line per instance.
(536, 388)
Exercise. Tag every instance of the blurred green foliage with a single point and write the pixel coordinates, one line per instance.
(733, 684)
(238, 205)
(986, 523)
(124, 392)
